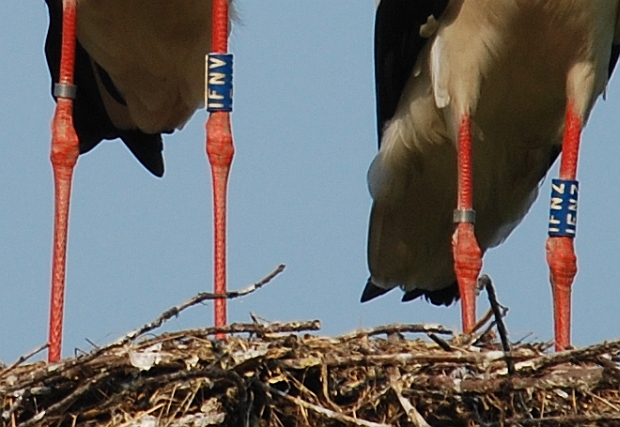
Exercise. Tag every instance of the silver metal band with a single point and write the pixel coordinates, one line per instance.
(462, 215)
(63, 90)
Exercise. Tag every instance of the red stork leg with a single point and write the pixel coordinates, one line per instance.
(562, 226)
(466, 252)
(65, 150)
(220, 152)
(219, 148)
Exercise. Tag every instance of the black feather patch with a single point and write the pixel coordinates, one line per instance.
(372, 291)
(397, 46)
(445, 296)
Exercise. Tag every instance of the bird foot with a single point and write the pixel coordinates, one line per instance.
(562, 270)
(467, 266)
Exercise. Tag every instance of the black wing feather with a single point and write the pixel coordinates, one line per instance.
(397, 46)
(613, 60)
(90, 118)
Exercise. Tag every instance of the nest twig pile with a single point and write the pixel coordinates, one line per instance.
(277, 375)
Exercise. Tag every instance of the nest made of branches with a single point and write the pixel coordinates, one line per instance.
(276, 377)
(280, 375)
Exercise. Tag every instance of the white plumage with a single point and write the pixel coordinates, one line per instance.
(154, 53)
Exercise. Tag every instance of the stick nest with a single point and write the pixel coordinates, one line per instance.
(274, 375)
(279, 375)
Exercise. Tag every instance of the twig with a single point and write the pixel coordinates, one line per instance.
(321, 410)
(440, 342)
(95, 346)
(418, 357)
(394, 329)
(483, 320)
(256, 328)
(22, 359)
(199, 298)
(520, 340)
(591, 352)
(246, 290)
(499, 319)
(412, 413)
(605, 401)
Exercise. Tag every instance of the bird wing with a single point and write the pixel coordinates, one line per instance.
(397, 45)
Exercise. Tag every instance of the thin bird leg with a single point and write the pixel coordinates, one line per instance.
(220, 151)
(466, 252)
(219, 147)
(562, 226)
(64, 154)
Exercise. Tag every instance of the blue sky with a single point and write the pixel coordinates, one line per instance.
(304, 130)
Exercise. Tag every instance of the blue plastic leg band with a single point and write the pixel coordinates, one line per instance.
(219, 90)
(563, 212)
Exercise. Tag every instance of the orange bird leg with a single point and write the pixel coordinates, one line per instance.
(466, 252)
(562, 226)
(65, 150)
(220, 150)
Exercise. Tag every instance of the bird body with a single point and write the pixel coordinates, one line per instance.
(154, 55)
(140, 70)
(513, 66)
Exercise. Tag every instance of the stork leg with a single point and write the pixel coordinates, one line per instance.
(466, 252)
(220, 152)
(560, 248)
(64, 154)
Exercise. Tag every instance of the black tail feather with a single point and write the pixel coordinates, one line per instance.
(147, 148)
(444, 296)
(372, 291)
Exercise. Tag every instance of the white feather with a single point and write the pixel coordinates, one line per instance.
(439, 72)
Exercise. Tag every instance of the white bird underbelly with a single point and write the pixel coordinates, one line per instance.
(154, 54)
(513, 66)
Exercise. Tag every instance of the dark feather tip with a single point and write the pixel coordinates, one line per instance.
(372, 291)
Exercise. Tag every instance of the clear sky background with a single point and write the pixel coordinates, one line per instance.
(304, 129)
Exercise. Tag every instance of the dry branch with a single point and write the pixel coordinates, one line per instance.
(23, 359)
(197, 299)
(396, 329)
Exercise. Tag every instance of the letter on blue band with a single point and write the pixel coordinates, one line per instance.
(563, 212)
(219, 82)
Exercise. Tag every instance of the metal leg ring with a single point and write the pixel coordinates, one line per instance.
(464, 215)
(63, 90)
